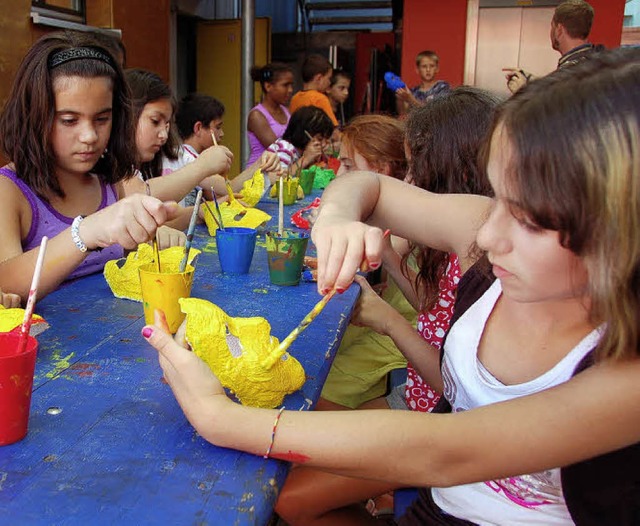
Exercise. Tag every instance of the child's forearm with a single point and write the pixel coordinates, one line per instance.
(393, 265)
(425, 358)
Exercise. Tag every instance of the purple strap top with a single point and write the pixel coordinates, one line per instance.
(256, 146)
(46, 221)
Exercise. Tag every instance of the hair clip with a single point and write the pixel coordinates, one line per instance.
(266, 74)
(79, 53)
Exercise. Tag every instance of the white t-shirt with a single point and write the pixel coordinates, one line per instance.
(186, 155)
(534, 499)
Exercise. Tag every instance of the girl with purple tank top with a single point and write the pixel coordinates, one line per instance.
(264, 123)
(46, 221)
(66, 130)
(257, 149)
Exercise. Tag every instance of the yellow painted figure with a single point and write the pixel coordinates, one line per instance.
(123, 277)
(253, 189)
(242, 354)
(234, 214)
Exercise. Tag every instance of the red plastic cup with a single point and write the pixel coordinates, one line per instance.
(16, 383)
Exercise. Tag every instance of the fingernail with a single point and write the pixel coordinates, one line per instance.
(339, 290)
(324, 292)
(147, 332)
(374, 265)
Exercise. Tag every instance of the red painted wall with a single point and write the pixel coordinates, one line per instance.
(441, 26)
(607, 24)
(437, 25)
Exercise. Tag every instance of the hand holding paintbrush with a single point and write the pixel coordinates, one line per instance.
(317, 309)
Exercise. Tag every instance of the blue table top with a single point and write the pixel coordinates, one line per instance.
(107, 441)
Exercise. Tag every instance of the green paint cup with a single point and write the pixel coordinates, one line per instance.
(290, 191)
(285, 256)
(306, 180)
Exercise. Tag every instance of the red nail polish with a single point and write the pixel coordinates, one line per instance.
(339, 290)
(324, 292)
(374, 265)
(147, 332)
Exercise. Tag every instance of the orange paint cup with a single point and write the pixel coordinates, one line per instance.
(162, 290)
(16, 383)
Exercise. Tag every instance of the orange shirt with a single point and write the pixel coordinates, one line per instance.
(312, 97)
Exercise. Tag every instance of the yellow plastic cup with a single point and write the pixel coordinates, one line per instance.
(162, 290)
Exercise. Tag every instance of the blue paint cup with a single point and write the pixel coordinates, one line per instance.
(235, 249)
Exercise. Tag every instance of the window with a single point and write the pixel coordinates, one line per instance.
(70, 10)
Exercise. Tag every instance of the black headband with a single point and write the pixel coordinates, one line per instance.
(79, 53)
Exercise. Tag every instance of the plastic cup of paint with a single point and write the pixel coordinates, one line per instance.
(306, 180)
(285, 255)
(162, 290)
(235, 249)
(16, 383)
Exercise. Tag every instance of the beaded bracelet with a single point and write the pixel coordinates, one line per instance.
(75, 234)
(273, 433)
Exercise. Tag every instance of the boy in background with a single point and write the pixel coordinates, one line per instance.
(316, 78)
(427, 67)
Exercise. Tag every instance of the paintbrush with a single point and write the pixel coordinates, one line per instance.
(156, 252)
(213, 136)
(215, 201)
(31, 301)
(206, 203)
(281, 208)
(317, 309)
(190, 231)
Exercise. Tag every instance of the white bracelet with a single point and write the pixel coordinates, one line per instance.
(75, 234)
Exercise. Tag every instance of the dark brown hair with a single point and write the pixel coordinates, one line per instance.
(314, 65)
(575, 169)
(28, 116)
(147, 87)
(269, 73)
(444, 139)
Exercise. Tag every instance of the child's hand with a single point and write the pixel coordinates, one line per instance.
(404, 95)
(9, 300)
(270, 163)
(190, 379)
(170, 237)
(371, 310)
(129, 222)
(312, 152)
(215, 160)
(342, 247)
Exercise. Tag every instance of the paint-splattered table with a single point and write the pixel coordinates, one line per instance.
(107, 442)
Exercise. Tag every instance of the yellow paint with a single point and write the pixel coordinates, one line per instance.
(12, 318)
(59, 364)
(123, 275)
(261, 291)
(236, 215)
(162, 290)
(260, 376)
(253, 189)
(210, 248)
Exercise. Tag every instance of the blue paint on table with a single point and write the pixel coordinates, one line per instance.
(120, 450)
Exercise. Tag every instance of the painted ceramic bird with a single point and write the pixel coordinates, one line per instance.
(242, 354)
